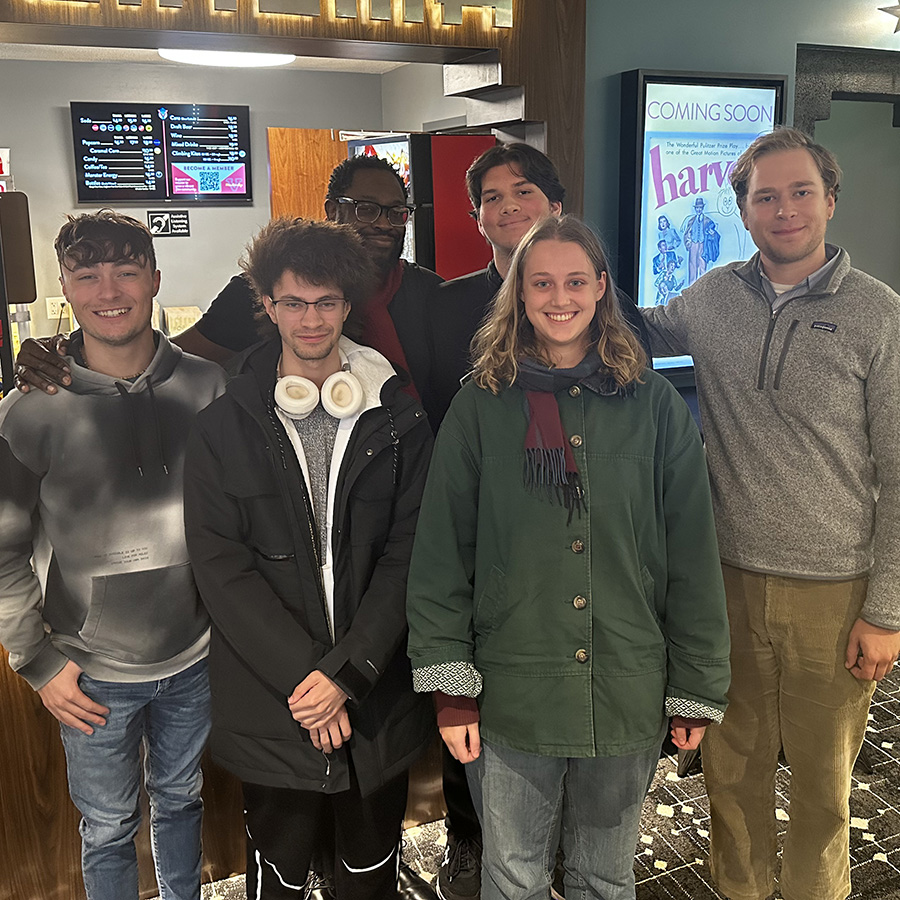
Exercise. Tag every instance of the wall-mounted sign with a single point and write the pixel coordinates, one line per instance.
(149, 152)
(169, 223)
(180, 318)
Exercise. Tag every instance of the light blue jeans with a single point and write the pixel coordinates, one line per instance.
(170, 718)
(592, 805)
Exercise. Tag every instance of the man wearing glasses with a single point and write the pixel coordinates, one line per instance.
(368, 194)
(302, 488)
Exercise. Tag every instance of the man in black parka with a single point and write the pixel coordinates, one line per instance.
(302, 487)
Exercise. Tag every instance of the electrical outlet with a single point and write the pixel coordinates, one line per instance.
(55, 307)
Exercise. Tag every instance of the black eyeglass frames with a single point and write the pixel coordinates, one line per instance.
(367, 211)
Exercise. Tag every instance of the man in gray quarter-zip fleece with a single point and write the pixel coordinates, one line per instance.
(108, 627)
(797, 360)
(302, 489)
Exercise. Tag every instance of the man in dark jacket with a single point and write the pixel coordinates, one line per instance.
(364, 192)
(300, 517)
(510, 186)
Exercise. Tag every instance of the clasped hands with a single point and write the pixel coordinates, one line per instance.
(318, 704)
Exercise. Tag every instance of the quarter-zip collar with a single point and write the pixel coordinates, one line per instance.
(822, 283)
(825, 281)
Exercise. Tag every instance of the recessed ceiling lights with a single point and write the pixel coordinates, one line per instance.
(230, 58)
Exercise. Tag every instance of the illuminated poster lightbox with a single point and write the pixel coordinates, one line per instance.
(685, 134)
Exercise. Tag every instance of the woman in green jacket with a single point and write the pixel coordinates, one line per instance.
(565, 597)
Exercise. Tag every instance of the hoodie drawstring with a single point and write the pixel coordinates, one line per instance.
(158, 426)
(125, 394)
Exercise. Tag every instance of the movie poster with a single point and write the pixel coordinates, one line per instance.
(693, 135)
(396, 152)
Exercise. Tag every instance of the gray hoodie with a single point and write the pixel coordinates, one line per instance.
(801, 416)
(91, 485)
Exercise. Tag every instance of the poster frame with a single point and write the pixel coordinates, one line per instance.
(634, 84)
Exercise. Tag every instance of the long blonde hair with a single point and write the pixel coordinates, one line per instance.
(507, 335)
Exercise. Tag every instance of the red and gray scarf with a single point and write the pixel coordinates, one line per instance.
(550, 465)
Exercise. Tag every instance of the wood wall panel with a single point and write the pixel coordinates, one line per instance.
(549, 60)
(39, 844)
(300, 164)
(40, 848)
(199, 16)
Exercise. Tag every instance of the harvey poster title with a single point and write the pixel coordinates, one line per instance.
(693, 135)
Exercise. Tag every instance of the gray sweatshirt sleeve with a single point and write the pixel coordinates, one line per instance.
(667, 328)
(882, 606)
(22, 629)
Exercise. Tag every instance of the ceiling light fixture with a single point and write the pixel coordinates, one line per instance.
(229, 58)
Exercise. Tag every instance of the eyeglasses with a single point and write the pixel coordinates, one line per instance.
(329, 306)
(368, 211)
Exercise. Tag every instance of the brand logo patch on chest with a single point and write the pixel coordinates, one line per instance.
(824, 326)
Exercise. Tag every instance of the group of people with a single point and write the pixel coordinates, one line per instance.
(565, 577)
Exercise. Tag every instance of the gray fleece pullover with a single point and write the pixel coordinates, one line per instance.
(801, 416)
(91, 484)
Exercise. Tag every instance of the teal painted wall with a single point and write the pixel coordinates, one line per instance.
(867, 216)
(741, 36)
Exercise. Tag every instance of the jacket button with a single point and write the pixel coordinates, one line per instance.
(418, 413)
(574, 391)
(578, 546)
(370, 452)
(576, 440)
(579, 602)
(581, 656)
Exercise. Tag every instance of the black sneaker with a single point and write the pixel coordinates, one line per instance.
(318, 887)
(459, 877)
(411, 886)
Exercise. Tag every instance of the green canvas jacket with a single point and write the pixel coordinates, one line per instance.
(579, 630)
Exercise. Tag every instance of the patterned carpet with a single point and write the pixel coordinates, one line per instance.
(670, 862)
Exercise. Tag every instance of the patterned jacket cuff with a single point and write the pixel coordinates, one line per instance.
(692, 709)
(458, 678)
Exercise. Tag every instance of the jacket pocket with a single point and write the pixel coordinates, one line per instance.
(490, 602)
(648, 586)
(144, 617)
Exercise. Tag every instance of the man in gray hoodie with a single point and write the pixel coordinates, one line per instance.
(797, 360)
(107, 626)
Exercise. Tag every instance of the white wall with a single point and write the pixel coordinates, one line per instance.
(413, 95)
(867, 215)
(35, 125)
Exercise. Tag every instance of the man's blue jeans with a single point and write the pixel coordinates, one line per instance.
(170, 717)
(524, 800)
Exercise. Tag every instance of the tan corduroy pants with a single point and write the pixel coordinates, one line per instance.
(789, 689)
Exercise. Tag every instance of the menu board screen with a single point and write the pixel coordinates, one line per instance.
(142, 152)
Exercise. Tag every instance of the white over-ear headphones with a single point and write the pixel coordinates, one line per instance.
(342, 395)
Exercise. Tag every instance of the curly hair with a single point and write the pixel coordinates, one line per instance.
(321, 253)
(103, 236)
(342, 174)
(507, 335)
(781, 139)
